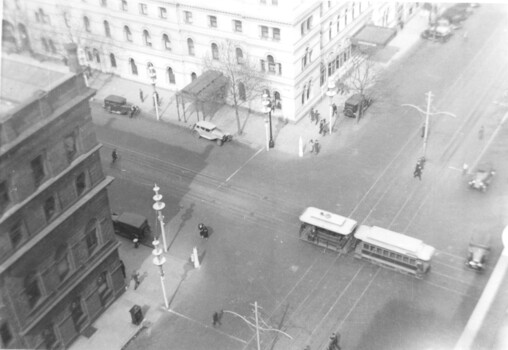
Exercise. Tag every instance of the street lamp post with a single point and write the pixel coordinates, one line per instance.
(331, 92)
(268, 106)
(153, 76)
(158, 206)
(159, 260)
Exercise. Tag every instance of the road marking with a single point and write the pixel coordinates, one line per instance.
(207, 326)
(448, 289)
(240, 168)
(361, 296)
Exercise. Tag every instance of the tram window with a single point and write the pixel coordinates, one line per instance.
(405, 259)
(392, 255)
(412, 261)
(399, 257)
(379, 251)
(385, 253)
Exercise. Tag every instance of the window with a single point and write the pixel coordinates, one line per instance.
(70, 146)
(264, 32)
(276, 96)
(237, 26)
(241, 91)
(345, 17)
(190, 46)
(80, 183)
(309, 23)
(107, 30)
(4, 196)
(193, 76)
(91, 236)
(330, 31)
(31, 291)
(276, 34)
(338, 24)
(171, 75)
(124, 5)
(49, 207)
(188, 17)
(134, 67)
(306, 26)
(127, 32)
(38, 173)
(163, 13)
(103, 288)
(104, 3)
(143, 9)
(212, 21)
(146, 38)
(97, 56)
(239, 56)
(5, 334)
(16, 233)
(62, 262)
(215, 51)
(77, 314)
(322, 74)
(271, 64)
(112, 60)
(166, 42)
(86, 23)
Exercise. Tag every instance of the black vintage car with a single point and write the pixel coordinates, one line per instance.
(131, 226)
(117, 104)
(356, 103)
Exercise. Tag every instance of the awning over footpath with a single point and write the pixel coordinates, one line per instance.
(208, 86)
(371, 35)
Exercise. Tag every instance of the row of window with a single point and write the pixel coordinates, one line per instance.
(389, 254)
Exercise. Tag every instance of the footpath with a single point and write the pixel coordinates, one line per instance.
(113, 329)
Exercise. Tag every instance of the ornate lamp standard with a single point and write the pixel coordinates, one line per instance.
(268, 106)
(331, 92)
(158, 206)
(159, 260)
(153, 75)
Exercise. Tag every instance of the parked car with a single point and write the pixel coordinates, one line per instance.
(355, 103)
(441, 34)
(117, 104)
(131, 225)
(211, 132)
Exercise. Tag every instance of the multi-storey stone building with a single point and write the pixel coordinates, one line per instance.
(299, 44)
(59, 262)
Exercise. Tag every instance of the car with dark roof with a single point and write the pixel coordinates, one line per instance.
(211, 132)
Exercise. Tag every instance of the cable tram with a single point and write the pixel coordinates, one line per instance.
(393, 250)
(326, 229)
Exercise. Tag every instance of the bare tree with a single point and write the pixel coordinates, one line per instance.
(245, 81)
(363, 75)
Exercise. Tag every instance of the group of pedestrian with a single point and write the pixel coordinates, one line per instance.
(334, 342)
(217, 318)
(203, 231)
(315, 147)
(324, 127)
(314, 116)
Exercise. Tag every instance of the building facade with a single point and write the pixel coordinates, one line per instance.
(59, 262)
(298, 44)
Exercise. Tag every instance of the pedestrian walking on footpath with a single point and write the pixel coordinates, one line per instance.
(321, 126)
(133, 110)
(141, 95)
(136, 241)
(316, 117)
(326, 128)
(334, 342)
(122, 267)
(135, 277)
(334, 109)
(311, 115)
(317, 147)
(481, 132)
(311, 143)
(114, 156)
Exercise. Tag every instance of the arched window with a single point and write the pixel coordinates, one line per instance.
(190, 46)
(215, 51)
(107, 30)
(62, 262)
(276, 96)
(52, 47)
(88, 54)
(32, 291)
(345, 17)
(308, 88)
(45, 44)
(241, 91)
(97, 56)
(330, 31)
(271, 63)
(171, 75)
(339, 19)
(86, 23)
(166, 42)
(127, 32)
(239, 55)
(303, 94)
(134, 68)
(112, 59)
(193, 76)
(91, 236)
(146, 38)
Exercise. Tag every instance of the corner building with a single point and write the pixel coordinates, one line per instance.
(297, 43)
(59, 262)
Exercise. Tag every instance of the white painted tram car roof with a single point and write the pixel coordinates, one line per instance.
(329, 221)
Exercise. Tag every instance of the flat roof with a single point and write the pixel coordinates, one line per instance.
(328, 221)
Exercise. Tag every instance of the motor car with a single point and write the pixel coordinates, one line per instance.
(482, 177)
(131, 225)
(117, 104)
(445, 22)
(210, 131)
(440, 34)
(355, 103)
(478, 251)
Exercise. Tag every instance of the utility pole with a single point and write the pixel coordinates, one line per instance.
(427, 119)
